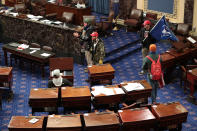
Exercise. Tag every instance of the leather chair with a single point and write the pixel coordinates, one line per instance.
(67, 17)
(182, 32)
(20, 8)
(183, 76)
(47, 48)
(106, 24)
(90, 18)
(135, 19)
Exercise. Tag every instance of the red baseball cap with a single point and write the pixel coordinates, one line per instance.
(94, 34)
(147, 22)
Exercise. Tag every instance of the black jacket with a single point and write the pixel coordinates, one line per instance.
(146, 42)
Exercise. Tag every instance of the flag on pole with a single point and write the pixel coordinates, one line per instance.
(161, 31)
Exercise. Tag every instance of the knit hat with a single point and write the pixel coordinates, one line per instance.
(147, 22)
(152, 48)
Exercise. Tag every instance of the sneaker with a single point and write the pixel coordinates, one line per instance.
(141, 73)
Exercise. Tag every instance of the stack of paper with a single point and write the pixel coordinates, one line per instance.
(133, 86)
(14, 14)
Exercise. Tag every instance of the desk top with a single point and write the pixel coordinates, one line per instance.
(5, 71)
(44, 93)
(23, 122)
(100, 119)
(61, 121)
(133, 116)
(62, 63)
(27, 51)
(168, 110)
(100, 69)
(73, 92)
(194, 71)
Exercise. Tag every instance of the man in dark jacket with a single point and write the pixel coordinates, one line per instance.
(147, 68)
(86, 40)
(146, 39)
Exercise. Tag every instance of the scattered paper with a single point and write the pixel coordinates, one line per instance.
(133, 86)
(14, 14)
(57, 22)
(34, 120)
(45, 54)
(23, 46)
(34, 48)
(119, 91)
(191, 40)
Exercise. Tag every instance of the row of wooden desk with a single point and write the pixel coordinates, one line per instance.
(139, 119)
(171, 58)
(80, 97)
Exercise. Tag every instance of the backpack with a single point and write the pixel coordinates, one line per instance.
(155, 69)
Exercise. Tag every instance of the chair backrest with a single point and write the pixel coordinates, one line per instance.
(47, 48)
(136, 14)
(68, 16)
(182, 29)
(22, 41)
(19, 7)
(36, 45)
(111, 16)
(90, 18)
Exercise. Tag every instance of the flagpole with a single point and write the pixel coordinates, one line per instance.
(157, 22)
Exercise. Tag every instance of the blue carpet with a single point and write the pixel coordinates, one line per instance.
(127, 66)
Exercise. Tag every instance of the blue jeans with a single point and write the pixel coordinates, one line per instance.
(155, 85)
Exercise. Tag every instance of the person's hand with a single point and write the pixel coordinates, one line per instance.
(76, 34)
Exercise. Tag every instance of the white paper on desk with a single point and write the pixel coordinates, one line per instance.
(191, 39)
(95, 93)
(119, 91)
(30, 16)
(97, 87)
(108, 91)
(57, 22)
(14, 14)
(34, 19)
(23, 46)
(34, 120)
(45, 54)
(39, 17)
(34, 48)
(133, 86)
(33, 51)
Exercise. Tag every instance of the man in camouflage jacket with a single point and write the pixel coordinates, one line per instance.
(97, 49)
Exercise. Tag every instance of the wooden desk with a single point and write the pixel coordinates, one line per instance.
(139, 119)
(101, 121)
(64, 64)
(192, 78)
(138, 94)
(43, 60)
(170, 114)
(21, 123)
(43, 97)
(101, 73)
(78, 12)
(167, 60)
(76, 97)
(6, 76)
(64, 123)
(111, 99)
